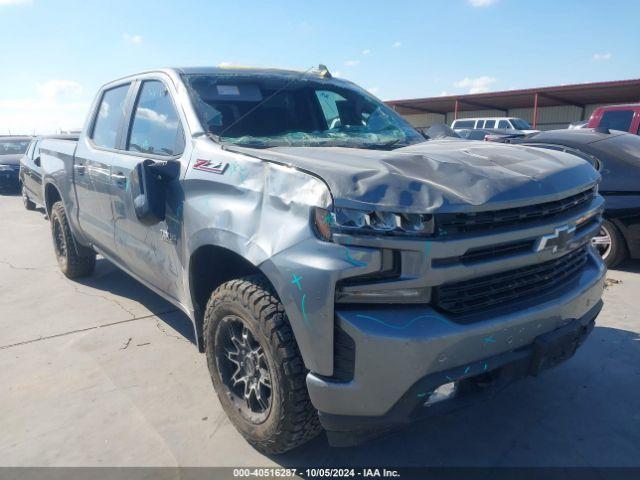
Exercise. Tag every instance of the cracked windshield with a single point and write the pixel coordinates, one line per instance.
(297, 113)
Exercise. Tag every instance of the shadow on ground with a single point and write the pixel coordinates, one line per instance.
(631, 266)
(109, 278)
(582, 413)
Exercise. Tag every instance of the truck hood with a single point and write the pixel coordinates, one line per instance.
(443, 175)
(10, 159)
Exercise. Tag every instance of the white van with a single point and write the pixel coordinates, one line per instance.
(507, 123)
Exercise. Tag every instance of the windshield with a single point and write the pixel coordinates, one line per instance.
(520, 124)
(270, 111)
(13, 147)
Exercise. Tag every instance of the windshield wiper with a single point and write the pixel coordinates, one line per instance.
(382, 146)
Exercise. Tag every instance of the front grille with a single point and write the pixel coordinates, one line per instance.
(511, 286)
(459, 223)
(480, 254)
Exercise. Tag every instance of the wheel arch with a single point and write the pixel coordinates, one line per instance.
(209, 267)
(51, 196)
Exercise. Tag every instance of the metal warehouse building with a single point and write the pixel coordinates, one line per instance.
(544, 108)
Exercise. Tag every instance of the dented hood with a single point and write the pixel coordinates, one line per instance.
(447, 175)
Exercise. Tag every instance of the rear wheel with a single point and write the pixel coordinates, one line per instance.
(74, 259)
(256, 368)
(610, 244)
(28, 204)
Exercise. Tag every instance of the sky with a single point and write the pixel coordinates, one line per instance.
(57, 53)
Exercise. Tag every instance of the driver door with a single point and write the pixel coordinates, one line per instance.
(155, 132)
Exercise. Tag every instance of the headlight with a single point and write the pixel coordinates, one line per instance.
(360, 222)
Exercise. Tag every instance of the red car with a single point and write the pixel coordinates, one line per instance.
(617, 117)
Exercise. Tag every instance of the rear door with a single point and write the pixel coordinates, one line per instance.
(154, 132)
(92, 166)
(29, 176)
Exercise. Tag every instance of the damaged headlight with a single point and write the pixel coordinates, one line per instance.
(361, 222)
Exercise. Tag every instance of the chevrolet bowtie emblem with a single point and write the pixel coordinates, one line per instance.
(559, 239)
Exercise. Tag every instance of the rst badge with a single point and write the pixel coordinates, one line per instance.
(209, 166)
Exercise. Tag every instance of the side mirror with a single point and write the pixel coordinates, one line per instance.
(149, 181)
(36, 161)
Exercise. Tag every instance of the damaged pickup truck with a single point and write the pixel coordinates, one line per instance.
(341, 271)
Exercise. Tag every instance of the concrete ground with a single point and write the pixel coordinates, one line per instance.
(103, 372)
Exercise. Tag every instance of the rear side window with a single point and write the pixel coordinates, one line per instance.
(109, 118)
(32, 146)
(464, 123)
(36, 150)
(489, 124)
(156, 126)
(480, 124)
(504, 124)
(617, 120)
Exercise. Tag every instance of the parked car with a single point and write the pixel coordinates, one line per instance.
(11, 149)
(490, 134)
(503, 123)
(359, 287)
(625, 118)
(617, 156)
(30, 174)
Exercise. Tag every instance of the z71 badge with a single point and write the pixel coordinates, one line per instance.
(209, 166)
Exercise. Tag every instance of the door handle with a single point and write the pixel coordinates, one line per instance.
(119, 179)
(79, 169)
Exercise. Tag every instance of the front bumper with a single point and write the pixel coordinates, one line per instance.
(9, 178)
(400, 353)
(547, 351)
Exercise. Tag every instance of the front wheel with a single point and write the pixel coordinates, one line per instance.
(256, 368)
(74, 259)
(610, 244)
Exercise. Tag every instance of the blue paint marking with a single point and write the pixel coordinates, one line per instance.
(427, 249)
(329, 218)
(242, 171)
(485, 367)
(302, 307)
(466, 370)
(296, 281)
(397, 327)
(420, 395)
(448, 378)
(489, 339)
(353, 261)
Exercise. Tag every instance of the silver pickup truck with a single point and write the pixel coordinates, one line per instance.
(341, 271)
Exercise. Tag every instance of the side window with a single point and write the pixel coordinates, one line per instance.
(489, 124)
(617, 120)
(503, 124)
(36, 150)
(109, 118)
(463, 124)
(156, 126)
(32, 146)
(480, 124)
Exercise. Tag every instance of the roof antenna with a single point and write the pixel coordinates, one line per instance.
(323, 71)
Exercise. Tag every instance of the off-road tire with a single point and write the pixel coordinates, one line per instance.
(292, 420)
(618, 252)
(75, 260)
(28, 204)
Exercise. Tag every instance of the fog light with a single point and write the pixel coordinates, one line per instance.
(443, 392)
